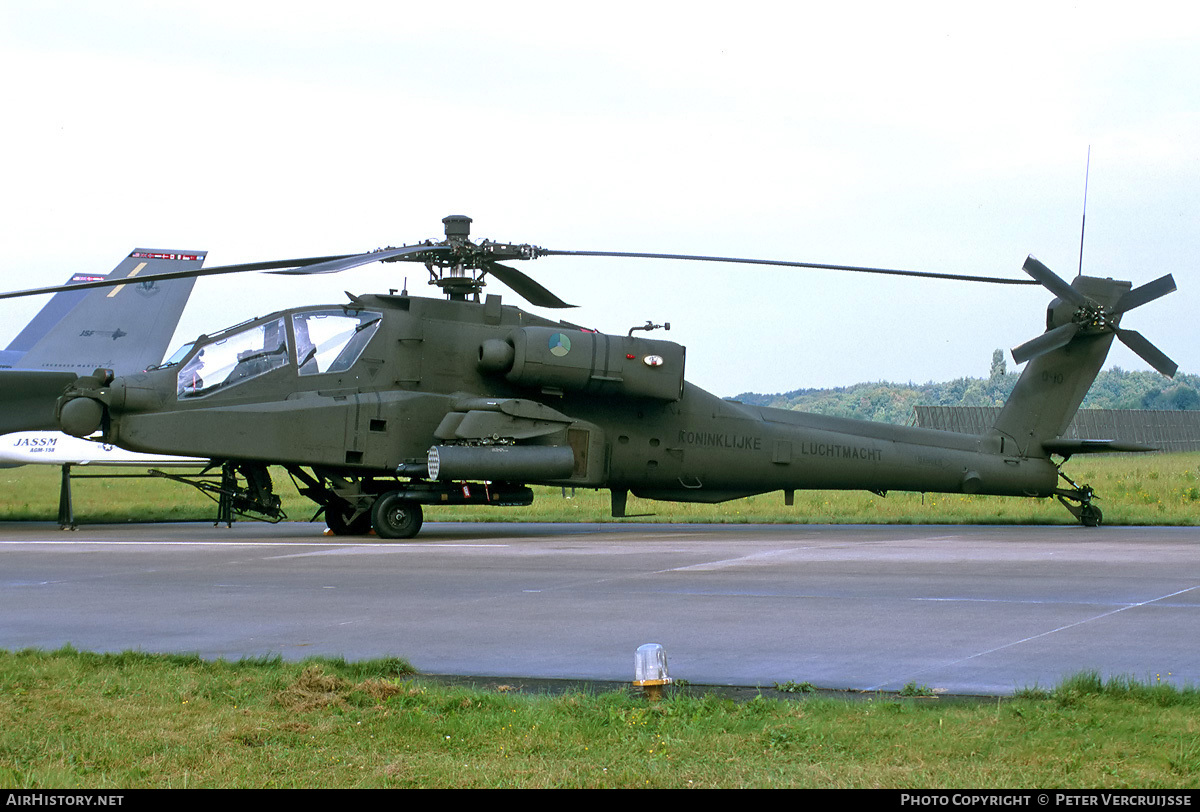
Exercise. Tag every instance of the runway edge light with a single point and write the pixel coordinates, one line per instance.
(650, 670)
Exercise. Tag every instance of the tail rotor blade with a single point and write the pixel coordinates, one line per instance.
(1146, 293)
(1149, 353)
(1046, 342)
(1052, 281)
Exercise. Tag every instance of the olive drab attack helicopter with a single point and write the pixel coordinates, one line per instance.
(390, 403)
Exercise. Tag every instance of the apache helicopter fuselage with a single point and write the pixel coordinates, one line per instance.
(391, 402)
(394, 394)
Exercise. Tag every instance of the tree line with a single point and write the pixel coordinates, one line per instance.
(889, 402)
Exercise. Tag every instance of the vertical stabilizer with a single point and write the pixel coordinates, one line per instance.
(1048, 394)
(124, 328)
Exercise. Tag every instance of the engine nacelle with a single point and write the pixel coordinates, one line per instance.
(570, 359)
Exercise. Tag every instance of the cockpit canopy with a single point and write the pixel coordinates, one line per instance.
(315, 341)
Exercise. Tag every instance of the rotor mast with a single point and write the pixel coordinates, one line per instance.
(457, 280)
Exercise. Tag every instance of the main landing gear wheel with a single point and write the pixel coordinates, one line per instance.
(394, 517)
(340, 518)
(1090, 516)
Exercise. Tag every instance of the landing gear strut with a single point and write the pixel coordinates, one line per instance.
(1078, 500)
(254, 500)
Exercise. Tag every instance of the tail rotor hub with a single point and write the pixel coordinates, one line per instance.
(1091, 317)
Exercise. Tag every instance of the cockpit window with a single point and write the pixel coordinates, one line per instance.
(234, 358)
(178, 355)
(331, 340)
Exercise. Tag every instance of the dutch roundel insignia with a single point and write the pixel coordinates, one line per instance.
(560, 345)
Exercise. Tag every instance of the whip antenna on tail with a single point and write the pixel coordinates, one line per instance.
(1083, 227)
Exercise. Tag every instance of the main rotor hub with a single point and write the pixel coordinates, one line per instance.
(457, 265)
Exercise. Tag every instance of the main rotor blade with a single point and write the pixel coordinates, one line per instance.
(305, 265)
(1151, 354)
(1049, 279)
(1050, 340)
(1145, 293)
(216, 270)
(345, 263)
(524, 286)
(784, 263)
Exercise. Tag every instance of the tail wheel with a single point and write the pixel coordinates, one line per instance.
(1090, 516)
(394, 517)
(340, 518)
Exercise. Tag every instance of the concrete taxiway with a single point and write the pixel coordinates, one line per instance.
(972, 610)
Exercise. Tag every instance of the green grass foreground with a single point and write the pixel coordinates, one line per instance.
(123, 721)
(1149, 489)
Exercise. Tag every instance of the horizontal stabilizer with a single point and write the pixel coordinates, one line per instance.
(1069, 448)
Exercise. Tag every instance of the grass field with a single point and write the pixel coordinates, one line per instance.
(1151, 489)
(79, 720)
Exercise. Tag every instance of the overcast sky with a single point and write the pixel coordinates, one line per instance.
(929, 136)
